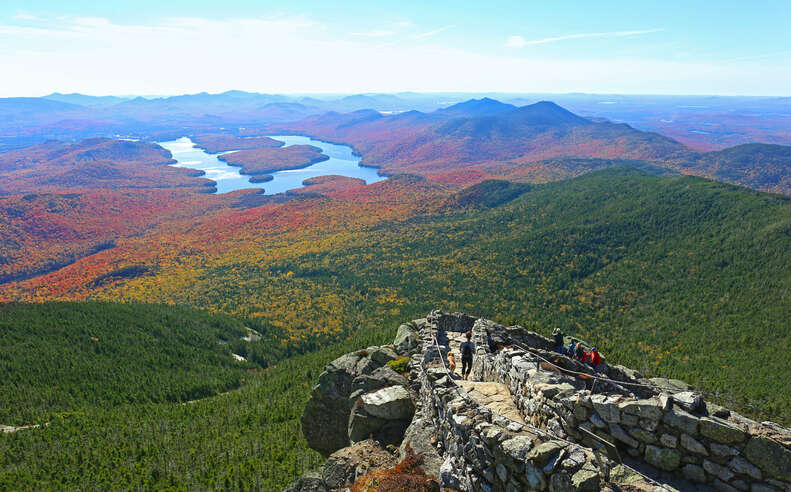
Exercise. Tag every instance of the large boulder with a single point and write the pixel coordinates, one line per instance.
(345, 465)
(326, 417)
(383, 414)
(407, 340)
(421, 438)
(391, 403)
(379, 378)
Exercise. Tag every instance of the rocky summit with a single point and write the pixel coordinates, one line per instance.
(400, 417)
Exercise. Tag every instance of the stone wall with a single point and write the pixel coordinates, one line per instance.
(676, 432)
(568, 429)
(486, 451)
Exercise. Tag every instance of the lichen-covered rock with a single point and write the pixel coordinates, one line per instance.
(692, 445)
(662, 458)
(647, 409)
(391, 403)
(344, 466)
(770, 456)
(518, 447)
(586, 479)
(326, 416)
(721, 431)
(379, 378)
(681, 420)
(406, 340)
(421, 437)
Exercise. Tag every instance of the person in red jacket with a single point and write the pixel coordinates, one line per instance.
(593, 359)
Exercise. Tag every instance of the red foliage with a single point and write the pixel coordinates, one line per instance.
(92, 164)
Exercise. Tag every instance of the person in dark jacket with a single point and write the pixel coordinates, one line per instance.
(558, 335)
(467, 351)
(579, 353)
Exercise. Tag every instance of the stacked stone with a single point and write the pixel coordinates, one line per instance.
(485, 451)
(678, 433)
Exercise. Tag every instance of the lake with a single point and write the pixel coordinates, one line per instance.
(342, 161)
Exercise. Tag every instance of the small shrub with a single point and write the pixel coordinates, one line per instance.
(400, 365)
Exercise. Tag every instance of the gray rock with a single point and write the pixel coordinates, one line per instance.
(502, 473)
(621, 435)
(381, 355)
(721, 431)
(391, 403)
(681, 420)
(534, 477)
(688, 400)
(723, 450)
(421, 437)
(757, 487)
(694, 473)
(718, 471)
(647, 409)
(449, 476)
(362, 426)
(662, 458)
(560, 482)
(310, 482)
(692, 445)
(379, 378)
(545, 451)
(586, 479)
(740, 465)
(406, 341)
(770, 456)
(724, 487)
(518, 447)
(607, 408)
(345, 465)
(668, 440)
(326, 417)
(643, 435)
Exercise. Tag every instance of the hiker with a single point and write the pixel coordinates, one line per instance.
(558, 340)
(579, 354)
(593, 359)
(572, 346)
(467, 350)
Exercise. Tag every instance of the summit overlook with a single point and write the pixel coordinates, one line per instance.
(218, 219)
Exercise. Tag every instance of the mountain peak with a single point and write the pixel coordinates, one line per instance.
(476, 107)
(546, 113)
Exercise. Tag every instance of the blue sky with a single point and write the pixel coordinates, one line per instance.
(178, 46)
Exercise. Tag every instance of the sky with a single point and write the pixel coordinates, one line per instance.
(151, 47)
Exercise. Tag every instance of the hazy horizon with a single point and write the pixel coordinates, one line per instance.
(309, 47)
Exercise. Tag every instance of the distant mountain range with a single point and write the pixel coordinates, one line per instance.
(462, 142)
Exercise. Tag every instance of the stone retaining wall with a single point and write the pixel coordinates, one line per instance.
(485, 451)
(680, 432)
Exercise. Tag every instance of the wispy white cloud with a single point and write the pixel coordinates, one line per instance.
(433, 32)
(376, 33)
(299, 54)
(764, 55)
(520, 42)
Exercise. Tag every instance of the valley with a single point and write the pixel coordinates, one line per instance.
(532, 214)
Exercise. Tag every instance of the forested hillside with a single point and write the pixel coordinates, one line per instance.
(677, 276)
